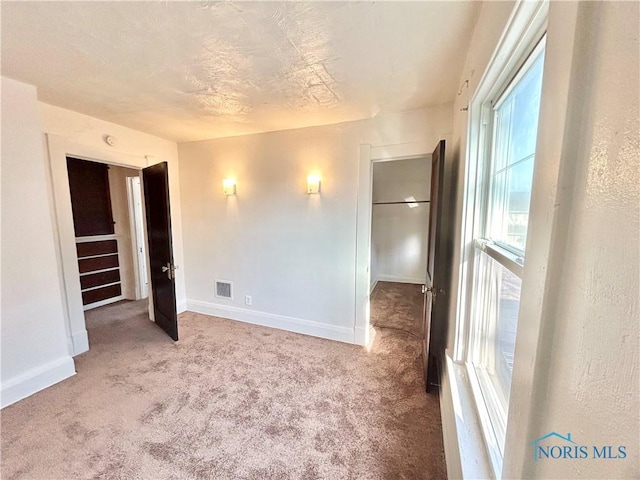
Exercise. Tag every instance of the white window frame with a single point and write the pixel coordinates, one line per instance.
(525, 30)
(507, 256)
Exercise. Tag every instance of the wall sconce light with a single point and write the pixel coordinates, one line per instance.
(313, 184)
(229, 186)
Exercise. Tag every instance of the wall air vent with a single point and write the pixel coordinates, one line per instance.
(224, 289)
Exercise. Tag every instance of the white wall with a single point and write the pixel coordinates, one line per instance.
(399, 232)
(293, 253)
(120, 208)
(397, 180)
(34, 345)
(72, 133)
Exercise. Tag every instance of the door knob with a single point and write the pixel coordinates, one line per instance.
(170, 270)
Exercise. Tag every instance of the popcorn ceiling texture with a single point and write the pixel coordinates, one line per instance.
(233, 401)
(197, 70)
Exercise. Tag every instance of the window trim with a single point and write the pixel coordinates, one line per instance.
(494, 412)
(488, 431)
(525, 30)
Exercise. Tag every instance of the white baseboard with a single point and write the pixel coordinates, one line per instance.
(181, 306)
(36, 379)
(360, 336)
(383, 277)
(373, 285)
(292, 324)
(78, 343)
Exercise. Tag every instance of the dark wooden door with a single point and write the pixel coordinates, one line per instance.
(162, 269)
(431, 289)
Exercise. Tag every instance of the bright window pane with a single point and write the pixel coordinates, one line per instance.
(499, 304)
(526, 99)
(518, 196)
(515, 126)
(510, 202)
(496, 304)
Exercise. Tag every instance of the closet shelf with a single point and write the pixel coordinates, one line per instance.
(399, 203)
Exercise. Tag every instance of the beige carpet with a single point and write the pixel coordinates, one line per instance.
(232, 401)
(397, 306)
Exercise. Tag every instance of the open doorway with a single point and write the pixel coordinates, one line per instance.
(98, 251)
(438, 248)
(103, 200)
(106, 204)
(160, 264)
(399, 240)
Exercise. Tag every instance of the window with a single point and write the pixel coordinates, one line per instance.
(515, 120)
(503, 189)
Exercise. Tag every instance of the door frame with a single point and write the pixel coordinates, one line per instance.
(368, 156)
(59, 149)
(138, 236)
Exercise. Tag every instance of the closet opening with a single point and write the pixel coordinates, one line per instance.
(399, 241)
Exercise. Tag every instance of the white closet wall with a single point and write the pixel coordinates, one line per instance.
(399, 231)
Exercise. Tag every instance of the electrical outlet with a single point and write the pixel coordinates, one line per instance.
(248, 300)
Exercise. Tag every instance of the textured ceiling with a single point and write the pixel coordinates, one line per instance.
(195, 70)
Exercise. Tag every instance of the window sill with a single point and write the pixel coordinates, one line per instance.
(466, 454)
